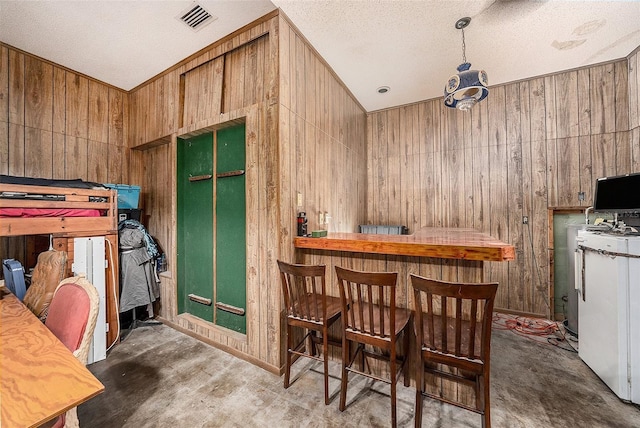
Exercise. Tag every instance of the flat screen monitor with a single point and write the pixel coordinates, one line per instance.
(617, 194)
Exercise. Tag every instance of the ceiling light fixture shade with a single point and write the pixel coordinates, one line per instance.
(468, 87)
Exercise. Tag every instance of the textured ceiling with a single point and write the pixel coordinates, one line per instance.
(409, 45)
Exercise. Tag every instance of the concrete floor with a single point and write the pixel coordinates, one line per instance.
(159, 377)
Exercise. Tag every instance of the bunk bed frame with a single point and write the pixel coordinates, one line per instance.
(66, 227)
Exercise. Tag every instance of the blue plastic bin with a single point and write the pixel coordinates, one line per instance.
(127, 195)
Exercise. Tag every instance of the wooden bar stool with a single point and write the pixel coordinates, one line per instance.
(453, 330)
(308, 307)
(372, 320)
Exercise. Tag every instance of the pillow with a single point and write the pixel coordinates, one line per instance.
(48, 273)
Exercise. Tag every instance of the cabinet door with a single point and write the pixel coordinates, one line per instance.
(195, 225)
(230, 229)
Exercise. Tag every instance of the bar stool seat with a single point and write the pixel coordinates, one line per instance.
(308, 307)
(372, 321)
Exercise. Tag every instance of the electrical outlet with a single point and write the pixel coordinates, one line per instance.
(327, 217)
(299, 196)
(525, 219)
(581, 196)
(321, 218)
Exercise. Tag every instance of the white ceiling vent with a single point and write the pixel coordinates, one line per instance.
(196, 17)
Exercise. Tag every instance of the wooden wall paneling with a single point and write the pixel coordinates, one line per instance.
(514, 201)
(584, 105)
(298, 97)
(417, 189)
(16, 150)
(382, 173)
(451, 169)
(394, 168)
(498, 187)
(284, 61)
(537, 120)
(525, 111)
(567, 104)
(621, 88)
(59, 101)
(259, 62)
(552, 175)
(602, 99)
(203, 91)
(58, 166)
(155, 127)
(77, 103)
(634, 139)
(135, 138)
(117, 164)
(4, 84)
(438, 144)
(587, 180)
(4, 110)
(302, 178)
(550, 124)
(115, 117)
(262, 205)
(372, 165)
(38, 146)
(479, 186)
(272, 157)
(321, 106)
(76, 158)
(310, 77)
(255, 314)
(311, 148)
(38, 101)
(623, 153)
(603, 153)
(233, 86)
(97, 168)
(287, 187)
(16, 87)
(98, 112)
(170, 95)
(4, 147)
(568, 161)
(633, 70)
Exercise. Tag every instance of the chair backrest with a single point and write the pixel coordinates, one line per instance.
(47, 275)
(363, 295)
(73, 314)
(304, 291)
(454, 318)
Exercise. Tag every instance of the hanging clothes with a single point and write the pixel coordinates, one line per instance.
(139, 282)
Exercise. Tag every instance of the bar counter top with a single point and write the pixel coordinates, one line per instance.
(444, 243)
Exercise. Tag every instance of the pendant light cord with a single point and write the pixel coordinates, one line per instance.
(464, 48)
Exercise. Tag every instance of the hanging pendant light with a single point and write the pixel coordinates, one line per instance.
(465, 89)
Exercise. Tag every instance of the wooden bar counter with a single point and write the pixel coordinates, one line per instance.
(444, 243)
(449, 254)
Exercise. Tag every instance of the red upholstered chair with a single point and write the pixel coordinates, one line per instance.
(72, 317)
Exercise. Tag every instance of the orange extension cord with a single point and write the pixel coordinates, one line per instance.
(536, 329)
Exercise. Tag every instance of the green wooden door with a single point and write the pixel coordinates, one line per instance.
(231, 229)
(195, 225)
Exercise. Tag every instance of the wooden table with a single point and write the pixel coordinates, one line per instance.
(39, 378)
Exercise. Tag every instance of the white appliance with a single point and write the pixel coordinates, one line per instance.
(608, 282)
(89, 260)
